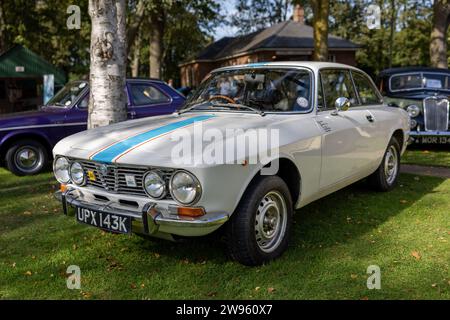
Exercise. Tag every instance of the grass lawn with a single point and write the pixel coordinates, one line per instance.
(427, 157)
(405, 232)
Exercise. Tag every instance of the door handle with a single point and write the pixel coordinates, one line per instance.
(370, 118)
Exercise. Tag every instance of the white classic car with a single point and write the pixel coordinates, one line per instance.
(328, 128)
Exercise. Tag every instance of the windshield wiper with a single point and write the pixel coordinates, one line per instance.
(238, 106)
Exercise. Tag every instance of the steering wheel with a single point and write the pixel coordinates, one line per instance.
(231, 100)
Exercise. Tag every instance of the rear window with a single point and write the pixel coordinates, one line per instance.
(417, 81)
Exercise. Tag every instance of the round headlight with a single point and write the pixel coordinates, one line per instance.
(77, 173)
(155, 185)
(413, 110)
(61, 170)
(185, 188)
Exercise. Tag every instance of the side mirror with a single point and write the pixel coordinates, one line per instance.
(341, 104)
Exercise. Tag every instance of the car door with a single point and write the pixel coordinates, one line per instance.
(371, 102)
(76, 117)
(346, 141)
(147, 100)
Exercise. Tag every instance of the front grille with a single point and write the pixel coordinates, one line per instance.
(112, 177)
(436, 111)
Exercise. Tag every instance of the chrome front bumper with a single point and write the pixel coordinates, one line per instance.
(153, 220)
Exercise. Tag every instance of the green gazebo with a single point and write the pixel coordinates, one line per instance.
(22, 84)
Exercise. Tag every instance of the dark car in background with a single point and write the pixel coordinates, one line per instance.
(27, 138)
(424, 94)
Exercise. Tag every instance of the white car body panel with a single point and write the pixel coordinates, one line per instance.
(329, 151)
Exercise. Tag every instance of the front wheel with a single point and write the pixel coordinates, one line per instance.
(385, 178)
(259, 229)
(26, 157)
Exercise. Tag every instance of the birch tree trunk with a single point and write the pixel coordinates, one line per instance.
(107, 101)
(438, 41)
(321, 10)
(157, 23)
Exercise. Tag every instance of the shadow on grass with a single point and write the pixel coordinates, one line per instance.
(337, 218)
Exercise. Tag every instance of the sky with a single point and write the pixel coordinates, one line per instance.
(228, 8)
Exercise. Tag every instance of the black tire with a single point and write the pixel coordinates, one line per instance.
(16, 166)
(379, 180)
(241, 231)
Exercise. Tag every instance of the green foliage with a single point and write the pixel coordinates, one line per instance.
(253, 15)
(411, 37)
(41, 27)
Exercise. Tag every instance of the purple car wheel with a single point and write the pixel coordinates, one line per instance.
(26, 157)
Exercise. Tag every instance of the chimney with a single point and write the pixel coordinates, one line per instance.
(299, 14)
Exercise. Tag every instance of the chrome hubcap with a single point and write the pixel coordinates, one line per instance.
(27, 158)
(391, 165)
(270, 221)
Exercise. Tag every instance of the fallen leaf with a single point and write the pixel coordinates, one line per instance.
(28, 273)
(425, 151)
(403, 201)
(270, 290)
(416, 178)
(14, 265)
(211, 294)
(142, 285)
(27, 213)
(416, 255)
(157, 255)
(365, 298)
(434, 285)
(133, 286)
(353, 276)
(74, 247)
(257, 288)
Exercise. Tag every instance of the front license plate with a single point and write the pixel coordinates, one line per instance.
(103, 220)
(435, 140)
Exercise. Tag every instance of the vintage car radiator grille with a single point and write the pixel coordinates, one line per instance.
(436, 112)
(112, 177)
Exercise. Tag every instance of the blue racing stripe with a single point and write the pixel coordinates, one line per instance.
(118, 148)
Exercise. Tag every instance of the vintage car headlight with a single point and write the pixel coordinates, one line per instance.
(155, 185)
(61, 170)
(185, 188)
(412, 123)
(413, 110)
(77, 173)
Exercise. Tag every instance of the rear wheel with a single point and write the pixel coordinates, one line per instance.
(259, 229)
(26, 157)
(385, 178)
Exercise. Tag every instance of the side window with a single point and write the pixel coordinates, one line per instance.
(367, 92)
(84, 103)
(144, 94)
(336, 84)
(320, 100)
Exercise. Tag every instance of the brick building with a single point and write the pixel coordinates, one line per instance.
(290, 40)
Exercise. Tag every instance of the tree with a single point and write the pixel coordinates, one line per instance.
(320, 24)
(157, 21)
(438, 41)
(254, 15)
(2, 29)
(108, 62)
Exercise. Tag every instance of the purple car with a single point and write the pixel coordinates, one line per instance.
(27, 138)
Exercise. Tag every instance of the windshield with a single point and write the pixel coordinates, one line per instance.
(257, 90)
(417, 81)
(67, 95)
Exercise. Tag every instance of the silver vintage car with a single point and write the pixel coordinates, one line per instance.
(327, 127)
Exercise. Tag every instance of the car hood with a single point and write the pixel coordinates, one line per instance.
(151, 141)
(29, 118)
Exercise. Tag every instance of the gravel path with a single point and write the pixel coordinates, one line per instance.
(426, 170)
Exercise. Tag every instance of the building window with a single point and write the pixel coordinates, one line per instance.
(332, 58)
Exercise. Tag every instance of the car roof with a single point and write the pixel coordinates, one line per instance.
(392, 71)
(314, 65)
